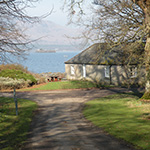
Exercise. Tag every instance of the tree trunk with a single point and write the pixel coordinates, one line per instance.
(147, 52)
(147, 64)
(147, 67)
(145, 6)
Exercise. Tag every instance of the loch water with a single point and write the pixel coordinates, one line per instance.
(47, 62)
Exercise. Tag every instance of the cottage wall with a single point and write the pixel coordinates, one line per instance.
(78, 74)
(93, 72)
(119, 75)
(96, 73)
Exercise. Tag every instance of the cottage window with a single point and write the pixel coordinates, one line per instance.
(72, 70)
(84, 71)
(133, 72)
(107, 72)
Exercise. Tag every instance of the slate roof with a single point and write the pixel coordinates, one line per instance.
(99, 53)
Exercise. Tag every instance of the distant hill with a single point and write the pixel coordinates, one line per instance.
(52, 34)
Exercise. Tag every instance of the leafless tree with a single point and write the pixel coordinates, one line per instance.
(12, 38)
(145, 7)
(112, 21)
(117, 22)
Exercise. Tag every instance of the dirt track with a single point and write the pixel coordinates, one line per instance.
(60, 125)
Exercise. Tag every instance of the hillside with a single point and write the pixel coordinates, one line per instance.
(52, 34)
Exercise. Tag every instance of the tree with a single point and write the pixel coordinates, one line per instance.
(113, 21)
(12, 39)
(145, 6)
(118, 22)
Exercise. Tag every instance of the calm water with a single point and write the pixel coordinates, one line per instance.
(47, 62)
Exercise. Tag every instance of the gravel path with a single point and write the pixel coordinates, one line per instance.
(60, 125)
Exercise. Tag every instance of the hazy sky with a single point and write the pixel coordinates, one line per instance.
(45, 6)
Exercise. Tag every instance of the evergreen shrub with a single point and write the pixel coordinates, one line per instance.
(17, 74)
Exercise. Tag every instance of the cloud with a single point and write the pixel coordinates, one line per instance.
(45, 7)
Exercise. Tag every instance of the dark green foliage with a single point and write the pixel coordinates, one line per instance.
(17, 74)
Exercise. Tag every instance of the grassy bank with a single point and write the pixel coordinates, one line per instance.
(64, 85)
(13, 129)
(123, 116)
(15, 75)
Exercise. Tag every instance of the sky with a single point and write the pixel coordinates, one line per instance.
(45, 6)
(58, 16)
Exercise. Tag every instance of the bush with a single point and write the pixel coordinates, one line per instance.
(14, 67)
(39, 78)
(9, 83)
(17, 74)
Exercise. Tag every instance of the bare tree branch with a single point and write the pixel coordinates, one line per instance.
(12, 38)
(118, 22)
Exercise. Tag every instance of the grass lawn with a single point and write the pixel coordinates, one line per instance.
(123, 116)
(13, 129)
(64, 85)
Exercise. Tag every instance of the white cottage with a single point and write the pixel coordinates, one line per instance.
(98, 64)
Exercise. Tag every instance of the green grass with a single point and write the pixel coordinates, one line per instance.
(13, 129)
(123, 116)
(65, 85)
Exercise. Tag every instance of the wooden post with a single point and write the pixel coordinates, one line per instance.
(15, 100)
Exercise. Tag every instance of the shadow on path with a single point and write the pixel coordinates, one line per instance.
(60, 125)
